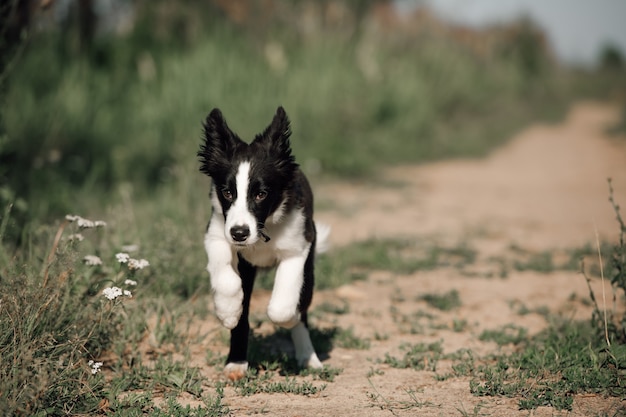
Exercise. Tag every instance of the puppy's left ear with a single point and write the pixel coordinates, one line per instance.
(279, 129)
(276, 139)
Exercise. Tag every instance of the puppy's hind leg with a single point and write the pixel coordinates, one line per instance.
(237, 363)
(305, 353)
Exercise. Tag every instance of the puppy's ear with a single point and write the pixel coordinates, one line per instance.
(218, 145)
(275, 139)
(279, 130)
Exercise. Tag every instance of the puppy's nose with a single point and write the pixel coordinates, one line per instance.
(240, 233)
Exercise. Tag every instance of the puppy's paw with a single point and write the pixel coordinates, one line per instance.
(305, 353)
(227, 296)
(310, 361)
(229, 308)
(283, 316)
(234, 371)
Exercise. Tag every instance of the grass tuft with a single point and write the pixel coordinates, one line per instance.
(419, 356)
(508, 334)
(610, 323)
(444, 302)
(549, 369)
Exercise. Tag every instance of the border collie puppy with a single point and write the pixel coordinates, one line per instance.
(262, 217)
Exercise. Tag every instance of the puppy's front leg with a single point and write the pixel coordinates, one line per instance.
(283, 306)
(225, 282)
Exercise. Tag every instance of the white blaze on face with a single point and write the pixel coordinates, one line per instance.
(239, 214)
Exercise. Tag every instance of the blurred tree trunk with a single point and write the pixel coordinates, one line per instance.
(15, 16)
(87, 21)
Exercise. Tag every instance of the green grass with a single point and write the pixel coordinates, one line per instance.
(400, 256)
(549, 369)
(382, 402)
(509, 334)
(267, 382)
(610, 323)
(142, 404)
(346, 338)
(419, 356)
(54, 320)
(444, 302)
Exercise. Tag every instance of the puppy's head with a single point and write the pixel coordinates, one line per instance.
(250, 181)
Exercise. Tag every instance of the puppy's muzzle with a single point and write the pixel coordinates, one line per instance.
(240, 233)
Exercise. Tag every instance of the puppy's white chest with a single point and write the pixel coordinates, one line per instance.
(287, 240)
(262, 254)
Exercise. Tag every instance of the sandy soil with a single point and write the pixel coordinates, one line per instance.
(545, 190)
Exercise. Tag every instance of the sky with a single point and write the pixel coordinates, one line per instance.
(577, 29)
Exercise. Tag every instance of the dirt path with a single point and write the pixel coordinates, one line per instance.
(545, 190)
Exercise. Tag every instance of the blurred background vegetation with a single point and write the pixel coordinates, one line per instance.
(101, 102)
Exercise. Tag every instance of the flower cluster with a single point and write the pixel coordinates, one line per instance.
(95, 366)
(113, 292)
(76, 237)
(133, 264)
(122, 257)
(84, 223)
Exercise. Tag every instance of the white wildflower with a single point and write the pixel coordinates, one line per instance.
(128, 294)
(130, 282)
(134, 264)
(95, 366)
(122, 257)
(92, 260)
(76, 237)
(112, 292)
(85, 223)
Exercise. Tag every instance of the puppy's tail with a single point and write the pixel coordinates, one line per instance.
(323, 238)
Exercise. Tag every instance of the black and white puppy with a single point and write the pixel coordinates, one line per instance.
(262, 217)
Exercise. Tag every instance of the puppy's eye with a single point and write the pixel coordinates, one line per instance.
(260, 196)
(227, 194)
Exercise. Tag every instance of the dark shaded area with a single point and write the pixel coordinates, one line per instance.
(275, 350)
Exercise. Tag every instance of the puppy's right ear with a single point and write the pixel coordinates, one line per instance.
(218, 145)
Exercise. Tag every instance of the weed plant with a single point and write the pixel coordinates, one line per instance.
(419, 356)
(444, 302)
(385, 403)
(508, 334)
(256, 382)
(607, 320)
(401, 256)
(549, 369)
(58, 313)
